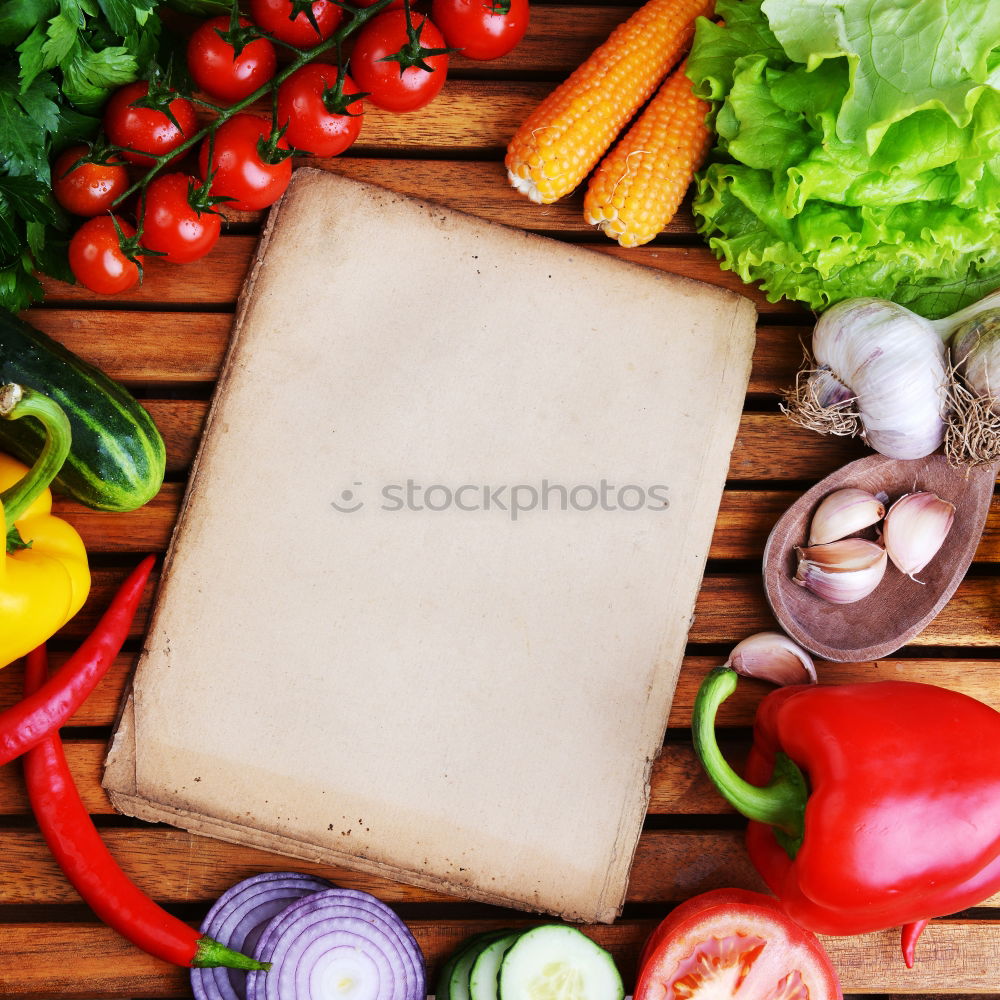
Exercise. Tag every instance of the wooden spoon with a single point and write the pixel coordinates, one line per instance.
(899, 608)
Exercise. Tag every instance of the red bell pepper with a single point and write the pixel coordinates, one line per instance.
(871, 805)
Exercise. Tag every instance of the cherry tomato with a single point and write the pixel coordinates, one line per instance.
(288, 22)
(478, 28)
(96, 258)
(238, 170)
(732, 943)
(175, 227)
(87, 188)
(144, 129)
(394, 5)
(219, 71)
(389, 85)
(312, 125)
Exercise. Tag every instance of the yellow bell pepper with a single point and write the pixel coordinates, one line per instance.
(44, 575)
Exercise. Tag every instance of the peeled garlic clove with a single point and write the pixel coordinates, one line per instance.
(771, 656)
(842, 513)
(915, 528)
(841, 572)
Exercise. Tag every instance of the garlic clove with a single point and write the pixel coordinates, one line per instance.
(915, 529)
(841, 572)
(771, 656)
(842, 513)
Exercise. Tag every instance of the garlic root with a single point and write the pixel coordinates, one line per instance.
(973, 433)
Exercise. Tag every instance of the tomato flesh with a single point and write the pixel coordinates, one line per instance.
(721, 964)
(734, 945)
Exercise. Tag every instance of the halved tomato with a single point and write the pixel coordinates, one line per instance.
(730, 943)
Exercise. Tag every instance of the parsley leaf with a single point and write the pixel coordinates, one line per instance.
(59, 61)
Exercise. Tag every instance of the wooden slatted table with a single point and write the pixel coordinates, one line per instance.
(166, 340)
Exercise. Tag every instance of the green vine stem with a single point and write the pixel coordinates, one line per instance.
(358, 17)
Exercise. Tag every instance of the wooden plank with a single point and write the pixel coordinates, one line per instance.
(217, 279)
(43, 960)
(477, 187)
(745, 520)
(768, 446)
(729, 607)
(147, 529)
(130, 346)
(475, 117)
(557, 41)
(174, 867)
(977, 678)
(139, 347)
(678, 785)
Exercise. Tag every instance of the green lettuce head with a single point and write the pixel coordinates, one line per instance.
(858, 148)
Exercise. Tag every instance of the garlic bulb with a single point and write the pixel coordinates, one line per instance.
(841, 572)
(975, 353)
(842, 513)
(973, 436)
(881, 372)
(771, 656)
(915, 528)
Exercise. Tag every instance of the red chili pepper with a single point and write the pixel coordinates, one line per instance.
(87, 863)
(871, 805)
(25, 724)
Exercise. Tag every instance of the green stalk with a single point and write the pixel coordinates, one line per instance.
(781, 803)
(17, 402)
(210, 954)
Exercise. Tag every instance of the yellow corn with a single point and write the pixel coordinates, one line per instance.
(639, 185)
(571, 129)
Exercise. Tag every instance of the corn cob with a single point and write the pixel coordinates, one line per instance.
(639, 185)
(570, 130)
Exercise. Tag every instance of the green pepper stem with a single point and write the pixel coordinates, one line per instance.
(17, 402)
(210, 954)
(782, 802)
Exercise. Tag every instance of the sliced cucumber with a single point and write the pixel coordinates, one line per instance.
(485, 970)
(555, 962)
(453, 983)
(441, 989)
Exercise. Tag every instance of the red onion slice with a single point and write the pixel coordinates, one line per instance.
(348, 900)
(339, 944)
(238, 918)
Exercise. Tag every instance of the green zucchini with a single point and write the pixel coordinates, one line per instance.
(117, 458)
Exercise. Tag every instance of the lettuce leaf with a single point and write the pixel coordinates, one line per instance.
(902, 57)
(843, 167)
